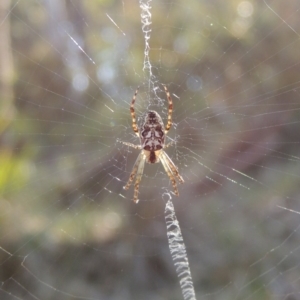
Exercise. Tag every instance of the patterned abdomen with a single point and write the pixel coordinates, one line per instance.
(152, 134)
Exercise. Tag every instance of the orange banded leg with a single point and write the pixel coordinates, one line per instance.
(170, 174)
(132, 145)
(134, 171)
(138, 179)
(170, 110)
(172, 166)
(169, 144)
(132, 112)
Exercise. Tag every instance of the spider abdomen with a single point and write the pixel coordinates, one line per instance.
(152, 133)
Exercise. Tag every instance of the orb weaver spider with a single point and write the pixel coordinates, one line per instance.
(152, 133)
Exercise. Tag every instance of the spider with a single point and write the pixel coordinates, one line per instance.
(152, 134)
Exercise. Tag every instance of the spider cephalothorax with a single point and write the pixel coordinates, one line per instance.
(152, 134)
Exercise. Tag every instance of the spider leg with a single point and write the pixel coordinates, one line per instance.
(133, 172)
(132, 112)
(139, 175)
(172, 166)
(170, 110)
(168, 170)
(137, 170)
(169, 144)
(132, 145)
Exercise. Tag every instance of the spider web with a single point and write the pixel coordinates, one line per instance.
(69, 70)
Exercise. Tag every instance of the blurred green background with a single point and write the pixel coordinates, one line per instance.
(68, 74)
